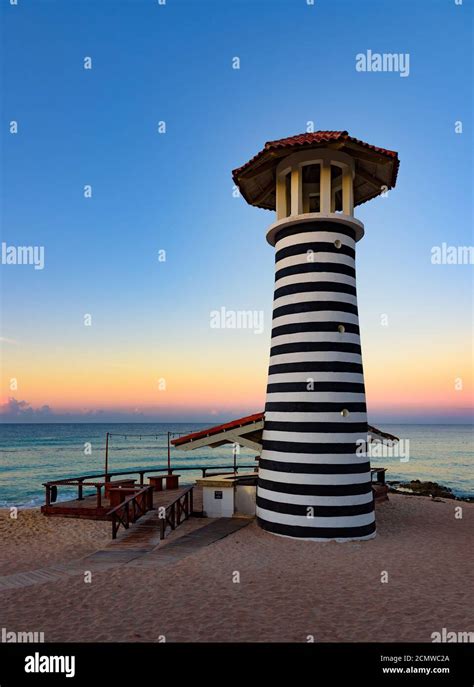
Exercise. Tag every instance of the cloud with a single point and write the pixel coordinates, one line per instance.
(16, 411)
(22, 409)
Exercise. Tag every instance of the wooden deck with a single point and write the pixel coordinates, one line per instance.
(87, 507)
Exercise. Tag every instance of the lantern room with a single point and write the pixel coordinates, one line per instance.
(314, 181)
(318, 175)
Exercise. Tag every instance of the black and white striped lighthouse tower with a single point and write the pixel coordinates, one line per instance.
(314, 474)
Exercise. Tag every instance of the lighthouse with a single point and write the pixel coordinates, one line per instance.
(314, 478)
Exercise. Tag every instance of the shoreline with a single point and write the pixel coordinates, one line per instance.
(395, 487)
(426, 488)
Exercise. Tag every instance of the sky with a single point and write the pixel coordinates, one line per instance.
(116, 326)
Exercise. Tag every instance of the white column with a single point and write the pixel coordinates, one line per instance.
(325, 198)
(296, 191)
(281, 208)
(347, 193)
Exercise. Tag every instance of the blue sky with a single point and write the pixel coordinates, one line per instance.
(173, 191)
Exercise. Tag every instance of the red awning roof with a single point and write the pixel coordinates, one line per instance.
(246, 421)
(217, 429)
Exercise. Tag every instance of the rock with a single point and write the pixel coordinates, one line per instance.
(432, 489)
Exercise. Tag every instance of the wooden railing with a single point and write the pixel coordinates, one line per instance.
(81, 481)
(176, 512)
(379, 474)
(131, 509)
(52, 488)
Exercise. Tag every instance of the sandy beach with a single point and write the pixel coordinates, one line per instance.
(288, 589)
(34, 541)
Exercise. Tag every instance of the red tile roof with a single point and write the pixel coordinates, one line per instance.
(275, 151)
(248, 420)
(308, 139)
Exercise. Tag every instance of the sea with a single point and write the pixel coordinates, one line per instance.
(31, 454)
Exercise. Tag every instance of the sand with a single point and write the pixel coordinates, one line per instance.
(288, 589)
(34, 541)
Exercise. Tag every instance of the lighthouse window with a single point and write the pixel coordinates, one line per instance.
(311, 179)
(341, 329)
(344, 412)
(337, 243)
(336, 188)
(288, 194)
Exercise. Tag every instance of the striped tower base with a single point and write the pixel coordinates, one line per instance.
(314, 477)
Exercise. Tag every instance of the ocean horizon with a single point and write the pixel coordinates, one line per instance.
(33, 453)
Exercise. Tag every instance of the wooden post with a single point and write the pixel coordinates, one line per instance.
(106, 456)
(48, 495)
(99, 496)
(169, 455)
(191, 505)
(79, 491)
